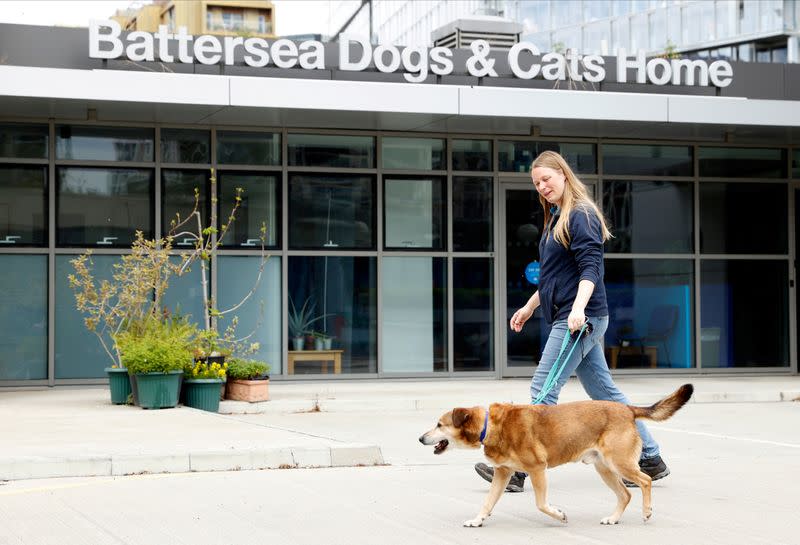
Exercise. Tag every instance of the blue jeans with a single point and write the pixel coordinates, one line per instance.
(589, 363)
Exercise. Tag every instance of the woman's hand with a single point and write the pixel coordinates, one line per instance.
(576, 319)
(519, 318)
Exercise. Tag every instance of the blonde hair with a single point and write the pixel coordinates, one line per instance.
(576, 197)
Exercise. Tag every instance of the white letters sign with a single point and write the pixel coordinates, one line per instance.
(357, 54)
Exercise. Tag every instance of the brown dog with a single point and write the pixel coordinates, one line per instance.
(532, 438)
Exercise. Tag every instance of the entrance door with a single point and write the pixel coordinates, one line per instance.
(523, 221)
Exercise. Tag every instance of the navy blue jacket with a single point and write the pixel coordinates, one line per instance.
(561, 269)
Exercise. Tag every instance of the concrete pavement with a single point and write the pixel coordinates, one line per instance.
(733, 465)
(74, 432)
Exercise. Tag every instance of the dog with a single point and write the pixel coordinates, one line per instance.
(533, 438)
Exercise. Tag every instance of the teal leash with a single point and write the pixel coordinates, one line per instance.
(556, 370)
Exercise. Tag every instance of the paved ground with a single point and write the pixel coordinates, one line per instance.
(735, 468)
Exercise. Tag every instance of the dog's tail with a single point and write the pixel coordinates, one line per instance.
(667, 406)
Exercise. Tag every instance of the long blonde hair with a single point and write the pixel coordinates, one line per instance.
(576, 197)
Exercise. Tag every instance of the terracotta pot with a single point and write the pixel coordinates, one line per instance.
(247, 390)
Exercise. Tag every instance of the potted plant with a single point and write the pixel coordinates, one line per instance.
(201, 385)
(155, 357)
(300, 321)
(125, 304)
(247, 380)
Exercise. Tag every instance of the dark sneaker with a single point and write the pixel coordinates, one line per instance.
(516, 484)
(654, 467)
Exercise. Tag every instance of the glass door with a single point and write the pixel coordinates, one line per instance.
(523, 219)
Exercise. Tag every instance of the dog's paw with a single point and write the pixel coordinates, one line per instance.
(559, 515)
(609, 521)
(474, 523)
(647, 514)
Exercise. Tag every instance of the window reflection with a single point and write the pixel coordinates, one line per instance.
(23, 198)
(650, 310)
(630, 206)
(103, 207)
(414, 315)
(730, 307)
(334, 212)
(104, 143)
(340, 302)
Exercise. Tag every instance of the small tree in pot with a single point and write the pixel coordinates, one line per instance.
(213, 346)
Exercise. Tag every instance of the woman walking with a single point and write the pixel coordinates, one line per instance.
(571, 293)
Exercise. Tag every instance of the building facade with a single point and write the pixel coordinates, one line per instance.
(217, 17)
(743, 30)
(400, 215)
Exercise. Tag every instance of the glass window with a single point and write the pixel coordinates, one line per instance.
(259, 316)
(413, 153)
(630, 207)
(647, 160)
(472, 214)
(596, 10)
(565, 13)
(248, 148)
(104, 143)
(796, 164)
(673, 25)
(103, 207)
(184, 295)
(597, 38)
(620, 7)
(518, 156)
(23, 206)
(567, 38)
(651, 314)
(473, 316)
(185, 146)
(472, 155)
(742, 162)
(323, 150)
(24, 141)
(746, 52)
(414, 314)
(259, 205)
(639, 32)
(23, 332)
(414, 210)
(744, 309)
(327, 211)
(178, 203)
(779, 54)
(727, 11)
(78, 352)
(732, 223)
(658, 30)
(534, 16)
(748, 16)
(339, 295)
(692, 23)
(771, 15)
(620, 35)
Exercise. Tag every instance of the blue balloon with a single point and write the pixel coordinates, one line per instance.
(532, 272)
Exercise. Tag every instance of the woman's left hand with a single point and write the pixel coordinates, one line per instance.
(576, 319)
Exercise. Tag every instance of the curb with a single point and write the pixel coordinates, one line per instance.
(400, 404)
(35, 467)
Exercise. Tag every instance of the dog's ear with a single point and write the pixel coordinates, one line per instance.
(460, 416)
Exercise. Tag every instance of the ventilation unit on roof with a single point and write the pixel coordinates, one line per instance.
(499, 32)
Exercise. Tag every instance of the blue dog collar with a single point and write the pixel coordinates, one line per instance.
(485, 424)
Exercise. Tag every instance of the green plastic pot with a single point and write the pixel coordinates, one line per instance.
(158, 390)
(119, 384)
(202, 393)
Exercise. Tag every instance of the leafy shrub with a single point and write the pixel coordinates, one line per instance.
(242, 369)
(158, 347)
